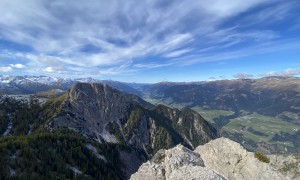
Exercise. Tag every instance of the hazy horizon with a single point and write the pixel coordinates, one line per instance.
(154, 82)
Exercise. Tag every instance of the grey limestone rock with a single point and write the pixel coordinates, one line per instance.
(232, 161)
(219, 159)
(176, 163)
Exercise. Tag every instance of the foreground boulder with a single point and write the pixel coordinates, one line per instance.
(219, 159)
(232, 161)
(176, 163)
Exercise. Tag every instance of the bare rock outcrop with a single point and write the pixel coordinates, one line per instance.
(176, 163)
(288, 165)
(232, 161)
(219, 159)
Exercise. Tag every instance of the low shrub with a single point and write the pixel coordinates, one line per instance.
(261, 157)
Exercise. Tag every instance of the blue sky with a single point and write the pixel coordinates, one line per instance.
(150, 40)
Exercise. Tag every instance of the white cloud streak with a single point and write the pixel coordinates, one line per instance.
(287, 72)
(122, 33)
(18, 66)
(235, 54)
(5, 69)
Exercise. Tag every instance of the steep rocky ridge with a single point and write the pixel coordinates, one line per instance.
(219, 159)
(95, 109)
(188, 123)
(107, 115)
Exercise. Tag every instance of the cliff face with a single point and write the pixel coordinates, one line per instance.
(109, 116)
(95, 110)
(218, 159)
(189, 123)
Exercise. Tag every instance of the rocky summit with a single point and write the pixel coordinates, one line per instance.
(95, 109)
(219, 159)
(107, 115)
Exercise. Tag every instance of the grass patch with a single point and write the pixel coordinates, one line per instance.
(259, 128)
(267, 125)
(211, 115)
(261, 157)
(159, 158)
(168, 102)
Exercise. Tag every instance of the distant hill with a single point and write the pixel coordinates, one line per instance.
(259, 113)
(268, 96)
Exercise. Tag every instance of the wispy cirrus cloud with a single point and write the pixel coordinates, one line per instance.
(276, 13)
(112, 37)
(177, 53)
(209, 56)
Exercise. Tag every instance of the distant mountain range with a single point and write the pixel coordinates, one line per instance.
(35, 84)
(262, 114)
(268, 96)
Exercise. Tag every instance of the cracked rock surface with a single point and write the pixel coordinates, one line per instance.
(232, 161)
(288, 165)
(219, 159)
(176, 164)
